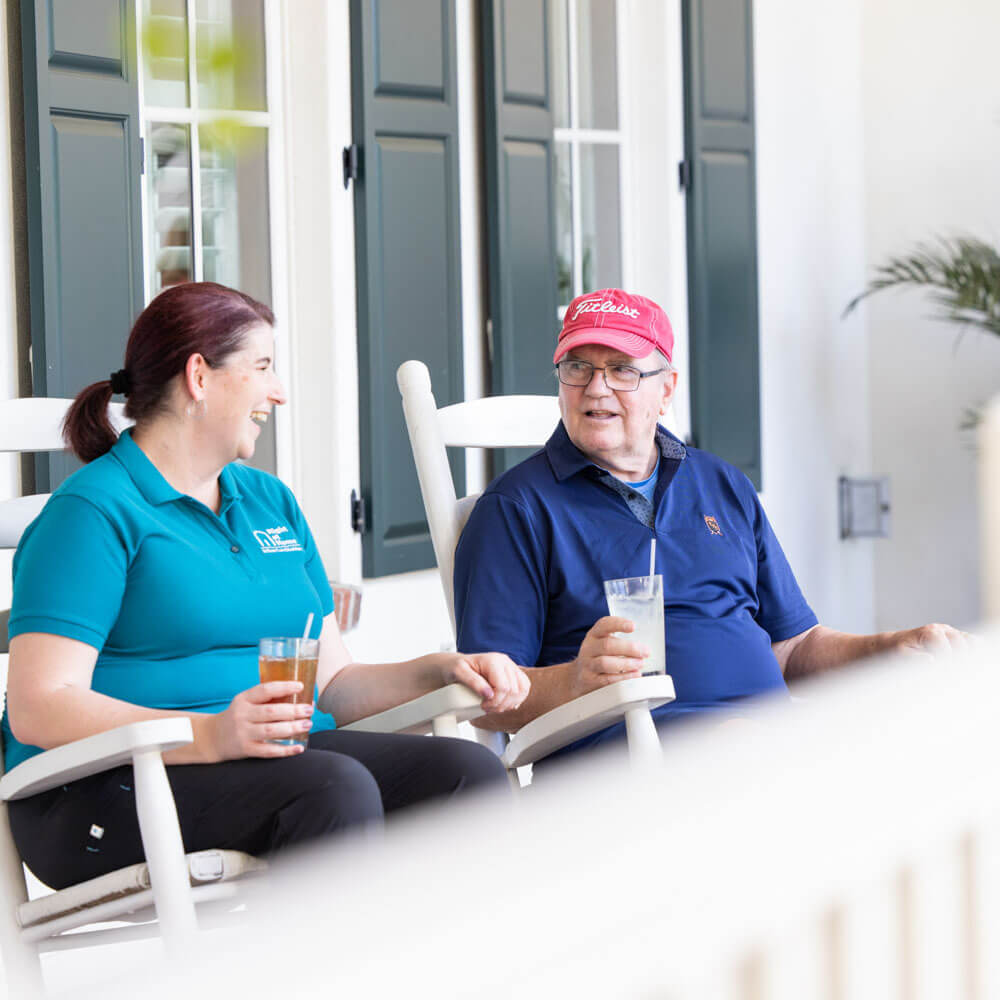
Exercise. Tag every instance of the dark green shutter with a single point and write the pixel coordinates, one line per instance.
(722, 231)
(520, 205)
(408, 256)
(83, 169)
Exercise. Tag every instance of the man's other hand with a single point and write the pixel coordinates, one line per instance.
(605, 657)
(935, 640)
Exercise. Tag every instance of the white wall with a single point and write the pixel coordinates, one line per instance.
(932, 146)
(8, 321)
(814, 397)
(322, 381)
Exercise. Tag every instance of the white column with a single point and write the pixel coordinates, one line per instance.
(989, 515)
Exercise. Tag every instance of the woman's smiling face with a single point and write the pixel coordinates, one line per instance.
(241, 393)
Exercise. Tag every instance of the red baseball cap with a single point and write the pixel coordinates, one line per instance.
(632, 324)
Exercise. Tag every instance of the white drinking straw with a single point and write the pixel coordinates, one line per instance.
(309, 625)
(652, 561)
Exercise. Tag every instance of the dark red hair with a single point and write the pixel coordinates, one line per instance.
(197, 317)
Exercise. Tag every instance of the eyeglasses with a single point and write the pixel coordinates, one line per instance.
(621, 378)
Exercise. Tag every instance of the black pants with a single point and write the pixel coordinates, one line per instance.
(342, 781)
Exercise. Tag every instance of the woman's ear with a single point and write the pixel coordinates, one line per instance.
(194, 376)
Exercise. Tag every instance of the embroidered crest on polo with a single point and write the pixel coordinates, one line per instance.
(713, 525)
(274, 540)
(604, 306)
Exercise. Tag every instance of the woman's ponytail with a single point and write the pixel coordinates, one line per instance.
(87, 429)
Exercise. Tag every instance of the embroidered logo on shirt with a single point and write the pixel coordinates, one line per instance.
(274, 540)
(713, 525)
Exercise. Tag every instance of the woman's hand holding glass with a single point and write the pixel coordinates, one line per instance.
(495, 677)
(254, 718)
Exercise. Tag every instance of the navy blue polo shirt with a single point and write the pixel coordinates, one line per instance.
(172, 595)
(532, 559)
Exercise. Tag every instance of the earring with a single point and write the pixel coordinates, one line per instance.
(195, 408)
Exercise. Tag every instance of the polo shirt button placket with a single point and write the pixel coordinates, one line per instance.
(234, 549)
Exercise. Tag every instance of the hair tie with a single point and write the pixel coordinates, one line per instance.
(121, 384)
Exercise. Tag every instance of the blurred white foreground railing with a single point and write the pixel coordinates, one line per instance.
(844, 846)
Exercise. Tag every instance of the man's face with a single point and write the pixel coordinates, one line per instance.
(616, 430)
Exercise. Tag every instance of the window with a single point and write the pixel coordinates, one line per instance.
(206, 127)
(208, 130)
(589, 143)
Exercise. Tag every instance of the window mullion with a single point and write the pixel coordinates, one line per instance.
(574, 151)
(184, 116)
(625, 178)
(607, 137)
(197, 266)
(147, 164)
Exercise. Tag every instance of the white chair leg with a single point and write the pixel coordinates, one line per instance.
(446, 725)
(22, 971)
(161, 838)
(643, 741)
(21, 966)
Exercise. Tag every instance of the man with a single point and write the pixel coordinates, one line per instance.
(531, 562)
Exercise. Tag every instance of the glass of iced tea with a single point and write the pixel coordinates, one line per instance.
(290, 660)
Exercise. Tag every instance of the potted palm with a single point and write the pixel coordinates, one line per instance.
(962, 275)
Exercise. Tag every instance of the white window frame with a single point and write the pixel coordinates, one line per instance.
(193, 116)
(573, 136)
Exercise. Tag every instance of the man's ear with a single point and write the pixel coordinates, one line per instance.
(194, 376)
(669, 385)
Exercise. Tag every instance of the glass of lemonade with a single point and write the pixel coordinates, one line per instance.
(640, 599)
(287, 659)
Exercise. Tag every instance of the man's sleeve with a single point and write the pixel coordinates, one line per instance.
(783, 611)
(500, 591)
(69, 573)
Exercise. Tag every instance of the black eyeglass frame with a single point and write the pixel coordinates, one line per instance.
(604, 373)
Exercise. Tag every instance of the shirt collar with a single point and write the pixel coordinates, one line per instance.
(146, 476)
(229, 491)
(150, 482)
(567, 460)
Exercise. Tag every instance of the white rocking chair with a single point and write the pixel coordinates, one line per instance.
(502, 422)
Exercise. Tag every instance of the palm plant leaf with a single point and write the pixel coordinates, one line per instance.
(963, 275)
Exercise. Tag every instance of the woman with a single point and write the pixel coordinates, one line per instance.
(142, 588)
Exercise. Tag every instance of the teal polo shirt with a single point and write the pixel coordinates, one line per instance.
(172, 595)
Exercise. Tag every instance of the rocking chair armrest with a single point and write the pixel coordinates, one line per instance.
(418, 715)
(93, 754)
(585, 715)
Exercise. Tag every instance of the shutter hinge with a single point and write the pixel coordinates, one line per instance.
(357, 513)
(351, 161)
(684, 175)
(142, 155)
